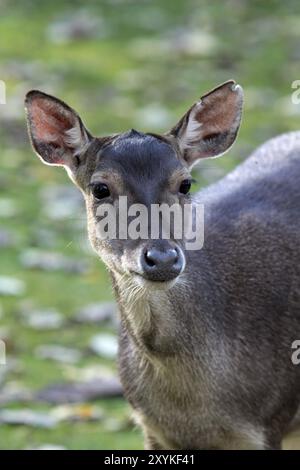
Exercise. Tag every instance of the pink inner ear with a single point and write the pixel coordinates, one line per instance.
(219, 111)
(50, 121)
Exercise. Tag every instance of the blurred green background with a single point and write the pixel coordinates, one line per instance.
(120, 64)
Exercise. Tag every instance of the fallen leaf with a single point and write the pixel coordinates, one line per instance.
(76, 392)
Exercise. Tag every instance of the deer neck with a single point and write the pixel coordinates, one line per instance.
(148, 317)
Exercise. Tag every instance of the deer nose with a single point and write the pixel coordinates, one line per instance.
(162, 263)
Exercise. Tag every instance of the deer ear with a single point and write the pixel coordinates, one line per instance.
(210, 126)
(57, 133)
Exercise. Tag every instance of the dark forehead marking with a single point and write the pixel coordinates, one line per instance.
(139, 155)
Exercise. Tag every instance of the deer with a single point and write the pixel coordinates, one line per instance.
(205, 337)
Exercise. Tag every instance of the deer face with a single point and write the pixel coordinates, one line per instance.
(144, 169)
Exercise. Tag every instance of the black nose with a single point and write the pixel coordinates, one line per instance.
(162, 263)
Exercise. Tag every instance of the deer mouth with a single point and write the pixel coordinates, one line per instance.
(154, 284)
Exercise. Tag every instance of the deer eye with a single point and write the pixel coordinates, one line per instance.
(185, 186)
(100, 190)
